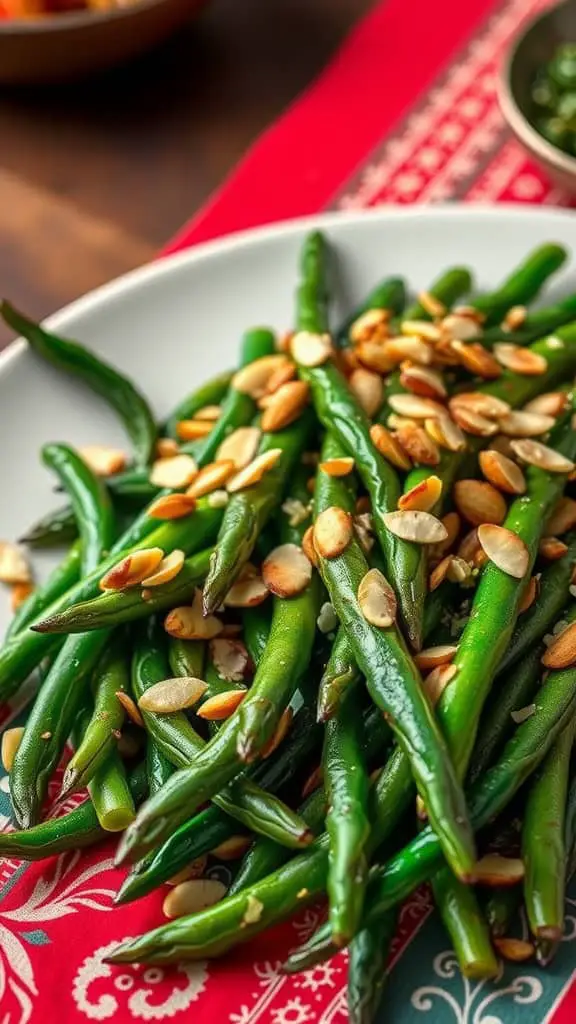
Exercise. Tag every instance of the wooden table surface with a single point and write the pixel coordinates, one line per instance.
(95, 176)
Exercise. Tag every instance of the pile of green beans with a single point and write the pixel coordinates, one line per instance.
(313, 631)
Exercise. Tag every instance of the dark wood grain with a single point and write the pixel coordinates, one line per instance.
(95, 176)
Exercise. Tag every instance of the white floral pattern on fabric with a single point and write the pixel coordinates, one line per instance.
(477, 1000)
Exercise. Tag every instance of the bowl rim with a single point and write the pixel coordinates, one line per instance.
(515, 117)
(73, 19)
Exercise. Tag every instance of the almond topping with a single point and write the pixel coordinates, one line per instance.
(452, 523)
(437, 680)
(499, 871)
(130, 707)
(525, 424)
(168, 569)
(562, 651)
(232, 848)
(132, 569)
(423, 382)
(479, 502)
(221, 706)
(415, 407)
(446, 433)
(208, 412)
(423, 496)
(286, 571)
(473, 422)
(188, 622)
(562, 518)
(369, 326)
(477, 360)
(415, 349)
(432, 657)
(285, 405)
(440, 572)
(338, 467)
(171, 506)
(314, 781)
(506, 549)
(515, 950)
(11, 740)
(210, 478)
(368, 389)
(192, 430)
(309, 349)
(195, 869)
(193, 896)
(247, 593)
(172, 695)
(469, 547)
(281, 376)
(552, 403)
(373, 356)
(482, 404)
(418, 444)
(279, 734)
(431, 304)
(459, 571)
(308, 546)
(103, 461)
(20, 592)
(14, 567)
(254, 471)
(173, 472)
(502, 472)
(421, 329)
(166, 448)
(552, 549)
(240, 447)
(388, 446)
(529, 595)
(501, 444)
(253, 379)
(377, 599)
(520, 360)
(333, 531)
(418, 527)
(460, 327)
(514, 318)
(230, 659)
(540, 455)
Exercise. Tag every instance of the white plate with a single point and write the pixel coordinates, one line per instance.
(175, 323)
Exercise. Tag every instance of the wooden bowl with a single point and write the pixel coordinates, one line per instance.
(64, 46)
(531, 49)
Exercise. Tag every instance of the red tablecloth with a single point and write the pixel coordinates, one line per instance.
(405, 112)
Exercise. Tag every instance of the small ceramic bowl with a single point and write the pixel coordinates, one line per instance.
(531, 49)
(63, 46)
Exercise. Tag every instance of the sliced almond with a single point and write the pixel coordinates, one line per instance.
(515, 950)
(171, 506)
(446, 433)
(209, 412)
(167, 571)
(459, 571)
(525, 424)
(520, 360)
(279, 734)
(210, 478)
(240, 447)
(333, 531)
(433, 306)
(540, 455)
(464, 309)
(254, 471)
(444, 354)
(514, 318)
(373, 356)
(193, 430)
(529, 595)
(479, 502)
(368, 389)
(551, 403)
(452, 523)
(247, 593)
(506, 549)
(552, 549)
(418, 444)
(282, 375)
(102, 460)
(469, 547)
(253, 379)
(20, 593)
(421, 329)
(172, 695)
(415, 407)
(424, 382)
(195, 869)
(377, 599)
(232, 848)
(418, 527)
(473, 422)
(308, 546)
(132, 569)
(496, 870)
(562, 518)
(285, 405)
(177, 471)
(309, 349)
(371, 325)
(440, 572)
(11, 740)
(188, 622)
(477, 360)
(218, 499)
(460, 327)
(286, 571)
(313, 782)
(502, 472)
(14, 567)
(415, 349)
(166, 448)
(395, 422)
(437, 680)
(230, 659)
(501, 444)
(337, 467)
(221, 706)
(192, 896)
(562, 651)
(388, 446)
(422, 496)
(481, 403)
(432, 657)
(130, 707)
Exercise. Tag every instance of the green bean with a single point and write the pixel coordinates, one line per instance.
(388, 295)
(451, 285)
(369, 952)
(61, 578)
(339, 678)
(570, 830)
(256, 629)
(110, 794)
(536, 324)
(52, 530)
(186, 657)
(465, 923)
(211, 393)
(523, 284)
(502, 907)
(158, 767)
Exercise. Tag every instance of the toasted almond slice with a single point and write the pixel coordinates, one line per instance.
(254, 471)
(469, 547)
(188, 622)
(515, 950)
(520, 360)
(363, 528)
(421, 329)
(551, 548)
(209, 412)
(286, 571)
(192, 430)
(337, 467)
(210, 478)
(309, 349)
(562, 651)
(514, 318)
(368, 389)
(230, 659)
(525, 424)
(253, 379)
(308, 546)
(432, 657)
(232, 848)
(540, 455)
(195, 869)
(444, 354)
(440, 572)
(166, 448)
(14, 567)
(130, 707)
(464, 309)
(240, 447)
(501, 444)
(247, 593)
(171, 506)
(506, 549)
(415, 349)
(132, 569)
(477, 360)
(446, 433)
(418, 527)
(433, 306)
(552, 403)
(377, 599)
(395, 422)
(373, 356)
(372, 325)
(418, 444)
(168, 569)
(333, 531)
(460, 327)
(172, 695)
(388, 446)
(529, 595)
(279, 734)
(11, 740)
(193, 896)
(314, 781)
(422, 496)
(20, 592)
(415, 407)
(473, 423)
(479, 502)
(282, 375)
(102, 460)
(285, 405)
(437, 680)
(502, 472)
(481, 403)
(221, 706)
(452, 524)
(218, 499)
(174, 472)
(424, 382)
(562, 518)
(493, 869)
(459, 571)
